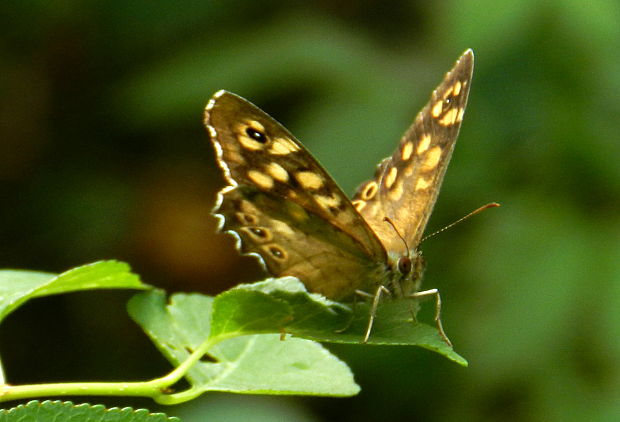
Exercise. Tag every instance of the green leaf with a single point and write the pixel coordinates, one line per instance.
(36, 411)
(276, 305)
(283, 305)
(245, 364)
(19, 286)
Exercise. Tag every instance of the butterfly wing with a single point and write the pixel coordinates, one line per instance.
(283, 206)
(406, 184)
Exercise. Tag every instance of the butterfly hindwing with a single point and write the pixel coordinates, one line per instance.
(406, 184)
(294, 242)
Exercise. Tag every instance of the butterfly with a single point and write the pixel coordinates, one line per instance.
(284, 208)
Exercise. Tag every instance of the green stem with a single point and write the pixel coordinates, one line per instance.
(154, 389)
(18, 392)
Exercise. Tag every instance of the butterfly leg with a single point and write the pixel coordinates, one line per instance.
(413, 311)
(360, 293)
(373, 310)
(434, 292)
(353, 309)
(363, 294)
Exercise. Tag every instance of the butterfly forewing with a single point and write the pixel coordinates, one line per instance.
(406, 184)
(284, 206)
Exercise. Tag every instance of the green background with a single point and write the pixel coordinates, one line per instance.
(103, 155)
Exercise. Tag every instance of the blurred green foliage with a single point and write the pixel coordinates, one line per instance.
(103, 155)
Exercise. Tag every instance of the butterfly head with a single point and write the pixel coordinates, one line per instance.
(405, 274)
(406, 269)
(404, 265)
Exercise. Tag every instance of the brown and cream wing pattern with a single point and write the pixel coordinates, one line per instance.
(406, 185)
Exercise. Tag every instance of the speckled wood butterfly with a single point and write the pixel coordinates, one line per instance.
(285, 209)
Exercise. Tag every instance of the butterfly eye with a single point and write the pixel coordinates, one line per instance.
(256, 135)
(404, 265)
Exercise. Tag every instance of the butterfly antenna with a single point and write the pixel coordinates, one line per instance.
(391, 223)
(471, 214)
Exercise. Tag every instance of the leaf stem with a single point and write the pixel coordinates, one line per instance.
(155, 388)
